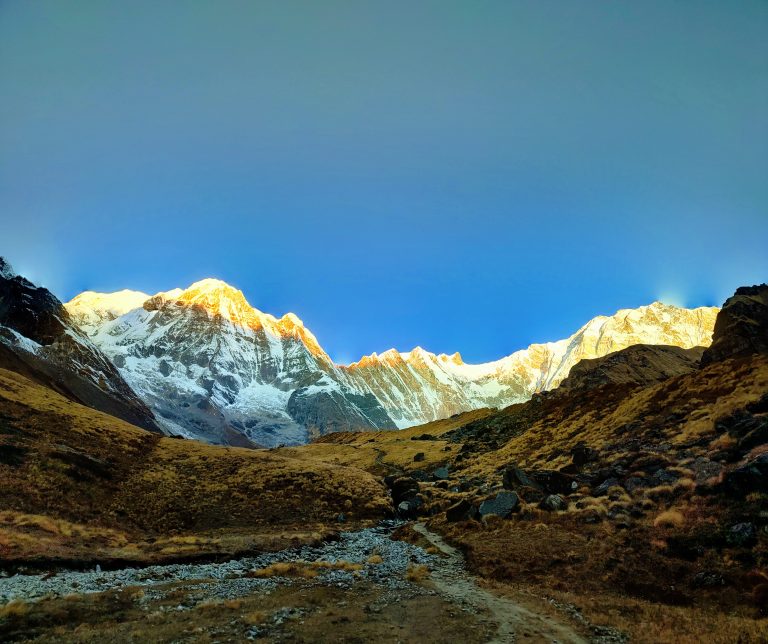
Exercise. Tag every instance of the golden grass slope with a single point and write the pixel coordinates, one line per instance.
(388, 452)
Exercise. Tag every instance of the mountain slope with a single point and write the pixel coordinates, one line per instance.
(40, 340)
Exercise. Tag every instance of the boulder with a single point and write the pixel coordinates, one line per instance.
(633, 483)
(750, 477)
(531, 494)
(705, 469)
(513, 478)
(741, 535)
(403, 488)
(602, 489)
(441, 473)
(418, 457)
(409, 509)
(504, 504)
(554, 482)
(554, 503)
(757, 436)
(461, 511)
(581, 454)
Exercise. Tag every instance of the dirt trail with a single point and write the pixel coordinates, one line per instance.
(515, 622)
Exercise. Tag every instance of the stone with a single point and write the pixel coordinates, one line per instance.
(750, 477)
(418, 457)
(741, 327)
(461, 511)
(441, 473)
(531, 494)
(705, 469)
(554, 482)
(554, 503)
(633, 483)
(502, 505)
(513, 477)
(757, 436)
(741, 535)
(403, 488)
(581, 454)
(409, 509)
(602, 489)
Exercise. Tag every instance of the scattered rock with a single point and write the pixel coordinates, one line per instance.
(707, 579)
(502, 505)
(418, 457)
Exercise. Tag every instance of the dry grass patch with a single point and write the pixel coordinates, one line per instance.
(669, 519)
(416, 574)
(303, 569)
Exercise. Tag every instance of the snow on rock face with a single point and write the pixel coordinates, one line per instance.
(213, 367)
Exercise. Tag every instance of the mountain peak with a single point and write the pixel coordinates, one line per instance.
(210, 285)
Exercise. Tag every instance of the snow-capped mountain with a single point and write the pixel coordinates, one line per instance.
(39, 339)
(418, 386)
(213, 367)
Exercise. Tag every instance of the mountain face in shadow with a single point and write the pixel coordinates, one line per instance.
(39, 339)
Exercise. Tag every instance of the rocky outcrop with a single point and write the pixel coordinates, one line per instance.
(39, 339)
(741, 327)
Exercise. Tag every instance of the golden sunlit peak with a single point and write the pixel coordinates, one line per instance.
(291, 319)
(455, 358)
(210, 284)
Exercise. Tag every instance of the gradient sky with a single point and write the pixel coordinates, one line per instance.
(468, 176)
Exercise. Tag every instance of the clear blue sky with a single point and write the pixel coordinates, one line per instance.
(468, 176)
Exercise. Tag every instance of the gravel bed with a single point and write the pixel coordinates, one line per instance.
(227, 580)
